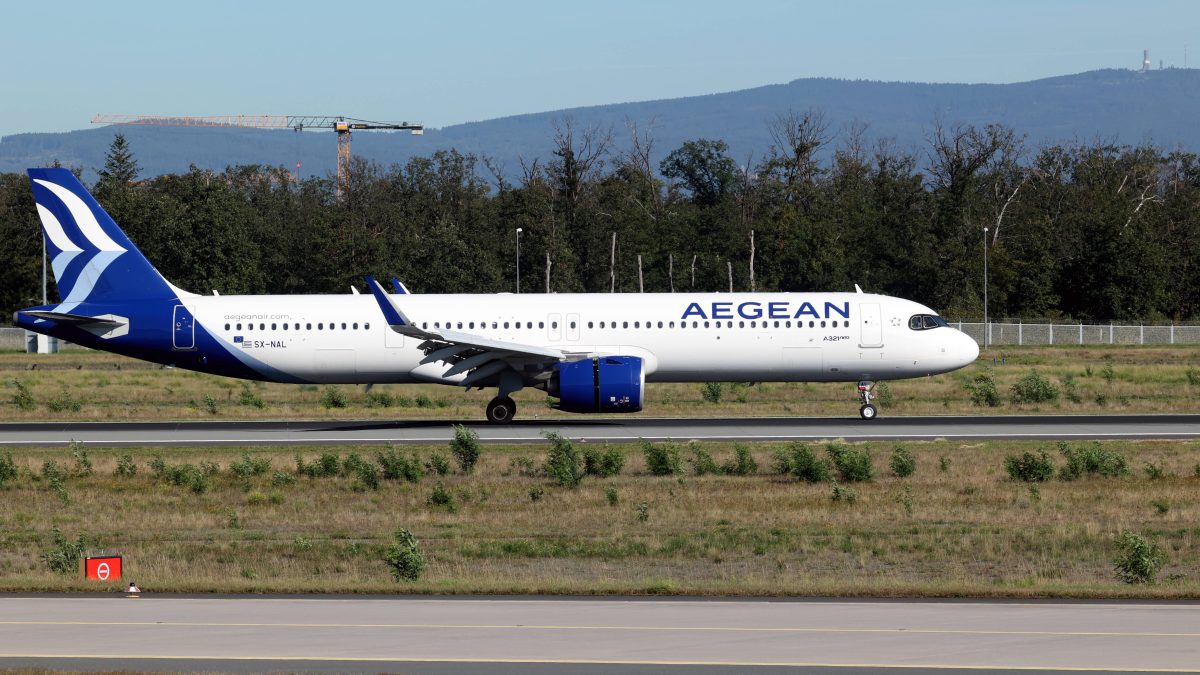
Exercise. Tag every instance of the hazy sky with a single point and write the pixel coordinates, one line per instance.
(460, 60)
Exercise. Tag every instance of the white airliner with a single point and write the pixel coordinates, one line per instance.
(593, 352)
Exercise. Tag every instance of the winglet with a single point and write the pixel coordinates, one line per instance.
(391, 312)
(400, 288)
(857, 289)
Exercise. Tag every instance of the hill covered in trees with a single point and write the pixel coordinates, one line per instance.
(1091, 230)
(1159, 107)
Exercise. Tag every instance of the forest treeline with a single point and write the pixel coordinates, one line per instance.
(1090, 231)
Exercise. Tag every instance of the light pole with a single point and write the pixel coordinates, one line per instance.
(519, 260)
(987, 328)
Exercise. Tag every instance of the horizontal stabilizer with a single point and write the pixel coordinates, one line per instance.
(78, 320)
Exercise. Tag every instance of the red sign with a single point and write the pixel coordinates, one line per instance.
(102, 569)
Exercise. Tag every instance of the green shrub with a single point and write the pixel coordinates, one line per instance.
(712, 391)
(403, 557)
(806, 466)
(852, 464)
(424, 401)
(8, 468)
(51, 470)
(1093, 459)
(1161, 506)
(377, 398)
(602, 463)
(367, 476)
(395, 466)
(282, 479)
(1107, 371)
(1029, 467)
(1137, 561)
(1193, 376)
(83, 463)
(902, 462)
(256, 498)
(250, 398)
(983, 390)
(1154, 470)
(643, 512)
(23, 399)
(333, 398)
(64, 402)
(441, 496)
(1034, 388)
(844, 494)
(883, 395)
(209, 404)
(943, 464)
(662, 459)
(352, 464)
(126, 468)
(437, 464)
(562, 461)
(741, 464)
(248, 466)
(63, 555)
(702, 462)
(465, 448)
(610, 494)
(302, 543)
(536, 494)
(325, 465)
(1069, 389)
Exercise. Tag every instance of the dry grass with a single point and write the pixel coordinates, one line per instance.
(970, 530)
(110, 387)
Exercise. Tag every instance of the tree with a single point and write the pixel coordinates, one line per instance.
(120, 167)
(703, 169)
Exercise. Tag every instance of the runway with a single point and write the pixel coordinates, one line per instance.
(608, 429)
(463, 635)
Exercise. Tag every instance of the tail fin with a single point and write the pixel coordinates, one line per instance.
(93, 260)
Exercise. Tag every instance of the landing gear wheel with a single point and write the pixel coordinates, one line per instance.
(501, 410)
(867, 409)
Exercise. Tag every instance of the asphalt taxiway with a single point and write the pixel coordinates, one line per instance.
(508, 635)
(605, 429)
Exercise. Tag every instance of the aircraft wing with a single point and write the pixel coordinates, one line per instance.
(477, 356)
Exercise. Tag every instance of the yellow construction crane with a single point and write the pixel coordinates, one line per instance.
(341, 125)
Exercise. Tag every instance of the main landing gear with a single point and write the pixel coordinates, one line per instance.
(867, 410)
(501, 410)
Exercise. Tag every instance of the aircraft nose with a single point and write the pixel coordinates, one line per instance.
(966, 350)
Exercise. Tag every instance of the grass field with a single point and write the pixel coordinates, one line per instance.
(97, 386)
(958, 527)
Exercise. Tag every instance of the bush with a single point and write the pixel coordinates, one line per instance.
(562, 462)
(248, 466)
(63, 556)
(852, 464)
(742, 463)
(1154, 470)
(805, 465)
(465, 448)
(536, 494)
(662, 459)
(441, 496)
(1138, 561)
(983, 390)
(209, 404)
(64, 402)
(1029, 467)
(367, 476)
(83, 463)
(712, 391)
(702, 462)
(327, 464)
(250, 398)
(125, 467)
(611, 495)
(602, 463)
(884, 396)
(902, 462)
(844, 494)
(23, 399)
(8, 468)
(1107, 371)
(333, 398)
(395, 466)
(403, 557)
(1089, 460)
(51, 471)
(1033, 388)
(282, 479)
(380, 399)
(437, 463)
(643, 512)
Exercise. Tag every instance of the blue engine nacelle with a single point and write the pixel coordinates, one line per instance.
(610, 384)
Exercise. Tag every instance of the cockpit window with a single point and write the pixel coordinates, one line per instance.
(925, 322)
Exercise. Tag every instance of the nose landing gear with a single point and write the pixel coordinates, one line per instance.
(867, 410)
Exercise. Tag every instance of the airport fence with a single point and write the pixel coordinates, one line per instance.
(1017, 332)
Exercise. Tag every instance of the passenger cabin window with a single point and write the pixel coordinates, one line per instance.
(925, 322)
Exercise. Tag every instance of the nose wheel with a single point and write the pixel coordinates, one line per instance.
(867, 410)
(501, 410)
